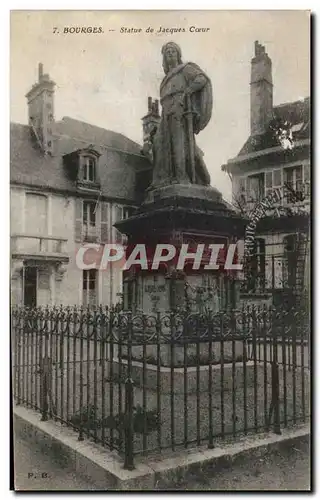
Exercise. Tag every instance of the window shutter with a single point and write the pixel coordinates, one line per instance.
(277, 180)
(104, 207)
(306, 169)
(118, 217)
(268, 179)
(78, 225)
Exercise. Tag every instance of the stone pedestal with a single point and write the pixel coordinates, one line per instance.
(173, 381)
(195, 353)
(193, 192)
(178, 214)
(181, 214)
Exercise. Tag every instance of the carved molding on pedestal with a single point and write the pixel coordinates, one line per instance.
(16, 267)
(60, 271)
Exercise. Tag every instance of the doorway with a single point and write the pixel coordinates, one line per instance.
(30, 287)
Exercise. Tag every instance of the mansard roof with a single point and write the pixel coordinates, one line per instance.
(294, 116)
(120, 165)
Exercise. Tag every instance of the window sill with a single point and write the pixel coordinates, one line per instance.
(89, 186)
(90, 238)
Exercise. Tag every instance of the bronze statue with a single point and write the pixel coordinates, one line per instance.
(186, 99)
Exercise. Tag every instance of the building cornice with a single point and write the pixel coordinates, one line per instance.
(239, 160)
(265, 152)
(74, 194)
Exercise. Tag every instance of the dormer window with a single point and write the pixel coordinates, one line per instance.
(82, 167)
(89, 168)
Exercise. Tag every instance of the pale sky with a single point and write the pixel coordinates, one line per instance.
(105, 78)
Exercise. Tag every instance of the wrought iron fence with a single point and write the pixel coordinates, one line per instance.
(280, 266)
(136, 382)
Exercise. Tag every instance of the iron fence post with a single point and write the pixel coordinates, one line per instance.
(276, 398)
(81, 333)
(275, 379)
(128, 434)
(210, 385)
(17, 361)
(128, 420)
(44, 372)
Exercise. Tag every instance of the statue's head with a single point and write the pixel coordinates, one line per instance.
(171, 55)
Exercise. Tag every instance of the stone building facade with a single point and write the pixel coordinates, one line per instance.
(275, 160)
(70, 182)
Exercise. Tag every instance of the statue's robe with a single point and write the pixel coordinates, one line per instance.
(171, 144)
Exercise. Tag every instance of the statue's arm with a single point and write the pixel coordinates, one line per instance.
(195, 78)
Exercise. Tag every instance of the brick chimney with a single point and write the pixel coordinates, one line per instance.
(150, 124)
(41, 110)
(261, 94)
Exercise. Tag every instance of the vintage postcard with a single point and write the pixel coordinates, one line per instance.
(160, 250)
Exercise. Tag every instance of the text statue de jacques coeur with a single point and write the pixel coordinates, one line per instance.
(186, 99)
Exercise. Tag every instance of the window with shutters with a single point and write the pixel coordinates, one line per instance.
(293, 184)
(255, 187)
(89, 213)
(89, 220)
(273, 180)
(89, 287)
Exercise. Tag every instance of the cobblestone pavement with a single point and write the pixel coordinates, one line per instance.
(288, 470)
